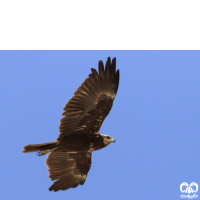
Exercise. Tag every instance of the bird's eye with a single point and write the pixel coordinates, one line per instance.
(108, 137)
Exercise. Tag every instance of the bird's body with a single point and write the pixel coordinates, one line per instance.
(70, 155)
(81, 143)
(71, 143)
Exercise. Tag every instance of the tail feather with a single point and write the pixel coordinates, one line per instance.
(39, 147)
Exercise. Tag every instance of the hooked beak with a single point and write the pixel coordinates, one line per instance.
(114, 140)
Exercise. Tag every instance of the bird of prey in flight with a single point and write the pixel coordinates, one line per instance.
(69, 158)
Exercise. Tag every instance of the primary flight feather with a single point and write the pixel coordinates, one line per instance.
(69, 158)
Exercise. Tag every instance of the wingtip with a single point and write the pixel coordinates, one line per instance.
(108, 58)
(114, 59)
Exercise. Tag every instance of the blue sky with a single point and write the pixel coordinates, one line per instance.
(154, 119)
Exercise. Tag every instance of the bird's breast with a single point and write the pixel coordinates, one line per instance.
(78, 143)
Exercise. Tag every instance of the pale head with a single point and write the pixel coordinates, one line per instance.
(107, 139)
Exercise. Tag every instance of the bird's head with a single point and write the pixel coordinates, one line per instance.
(107, 139)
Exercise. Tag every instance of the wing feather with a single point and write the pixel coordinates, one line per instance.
(108, 68)
(92, 101)
(68, 169)
(101, 69)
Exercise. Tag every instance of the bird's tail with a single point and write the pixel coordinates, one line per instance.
(41, 148)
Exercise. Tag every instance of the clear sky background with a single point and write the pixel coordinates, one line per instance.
(155, 121)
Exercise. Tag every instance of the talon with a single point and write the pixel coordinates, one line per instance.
(39, 153)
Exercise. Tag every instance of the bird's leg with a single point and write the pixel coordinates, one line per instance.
(39, 153)
(43, 152)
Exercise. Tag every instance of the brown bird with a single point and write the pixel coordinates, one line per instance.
(69, 158)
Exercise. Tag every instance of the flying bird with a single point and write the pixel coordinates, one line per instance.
(69, 158)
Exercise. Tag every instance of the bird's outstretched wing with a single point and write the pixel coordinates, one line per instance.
(92, 101)
(68, 169)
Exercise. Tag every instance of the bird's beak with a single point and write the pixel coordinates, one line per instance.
(114, 140)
